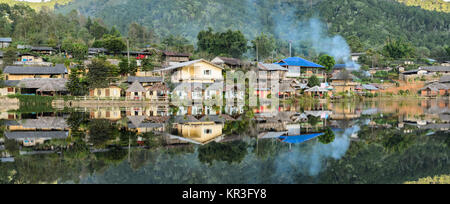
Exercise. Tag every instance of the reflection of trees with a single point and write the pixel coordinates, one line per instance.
(229, 152)
(397, 142)
(328, 136)
(114, 155)
(101, 131)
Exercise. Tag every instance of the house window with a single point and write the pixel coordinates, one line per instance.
(208, 131)
(207, 72)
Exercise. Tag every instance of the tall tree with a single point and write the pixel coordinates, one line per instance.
(99, 73)
(263, 45)
(229, 43)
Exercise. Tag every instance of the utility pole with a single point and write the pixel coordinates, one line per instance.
(128, 51)
(290, 48)
(257, 57)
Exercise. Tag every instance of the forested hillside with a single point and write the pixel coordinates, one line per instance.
(371, 20)
(435, 5)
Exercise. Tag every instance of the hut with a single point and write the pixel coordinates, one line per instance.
(136, 91)
(435, 89)
(43, 86)
(317, 91)
(344, 81)
(286, 90)
(158, 92)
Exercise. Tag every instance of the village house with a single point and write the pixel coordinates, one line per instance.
(5, 42)
(43, 50)
(227, 62)
(317, 92)
(356, 56)
(435, 70)
(112, 91)
(43, 86)
(9, 88)
(302, 69)
(344, 81)
(366, 88)
(435, 89)
(173, 58)
(20, 72)
(197, 71)
(94, 52)
(271, 70)
(158, 92)
(109, 113)
(195, 131)
(136, 92)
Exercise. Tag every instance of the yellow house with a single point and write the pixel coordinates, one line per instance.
(17, 73)
(109, 92)
(197, 71)
(344, 81)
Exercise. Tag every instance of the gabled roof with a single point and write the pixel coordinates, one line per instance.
(38, 83)
(297, 61)
(369, 87)
(11, 83)
(174, 54)
(58, 69)
(136, 87)
(316, 89)
(185, 64)
(230, 61)
(271, 67)
(42, 49)
(344, 75)
(436, 69)
(132, 79)
(6, 40)
(286, 87)
(37, 134)
(45, 123)
(158, 87)
(445, 79)
(436, 87)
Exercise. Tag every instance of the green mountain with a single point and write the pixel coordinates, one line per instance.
(373, 21)
(433, 5)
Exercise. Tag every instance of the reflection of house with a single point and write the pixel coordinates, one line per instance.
(227, 62)
(197, 132)
(172, 58)
(198, 71)
(112, 91)
(303, 69)
(31, 132)
(344, 81)
(1, 57)
(19, 72)
(139, 124)
(113, 113)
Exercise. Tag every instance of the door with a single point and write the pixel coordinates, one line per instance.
(107, 92)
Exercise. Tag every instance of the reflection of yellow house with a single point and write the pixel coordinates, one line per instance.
(106, 113)
(344, 111)
(200, 132)
(110, 92)
(198, 71)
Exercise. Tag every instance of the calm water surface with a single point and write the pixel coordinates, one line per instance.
(363, 142)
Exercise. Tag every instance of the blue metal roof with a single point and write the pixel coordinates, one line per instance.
(299, 138)
(297, 61)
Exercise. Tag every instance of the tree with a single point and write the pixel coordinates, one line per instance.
(229, 43)
(9, 57)
(398, 49)
(327, 61)
(78, 50)
(97, 30)
(230, 152)
(101, 131)
(264, 45)
(76, 85)
(114, 44)
(126, 67)
(178, 44)
(313, 81)
(99, 73)
(328, 136)
(114, 32)
(355, 43)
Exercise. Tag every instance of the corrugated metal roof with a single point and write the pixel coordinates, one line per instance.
(271, 67)
(5, 39)
(58, 69)
(132, 79)
(297, 61)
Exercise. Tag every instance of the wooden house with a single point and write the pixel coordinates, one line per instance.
(20, 72)
(5, 42)
(197, 71)
(344, 81)
(302, 69)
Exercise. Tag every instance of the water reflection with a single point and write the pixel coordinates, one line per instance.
(309, 143)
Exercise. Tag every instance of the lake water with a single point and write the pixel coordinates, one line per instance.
(379, 141)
